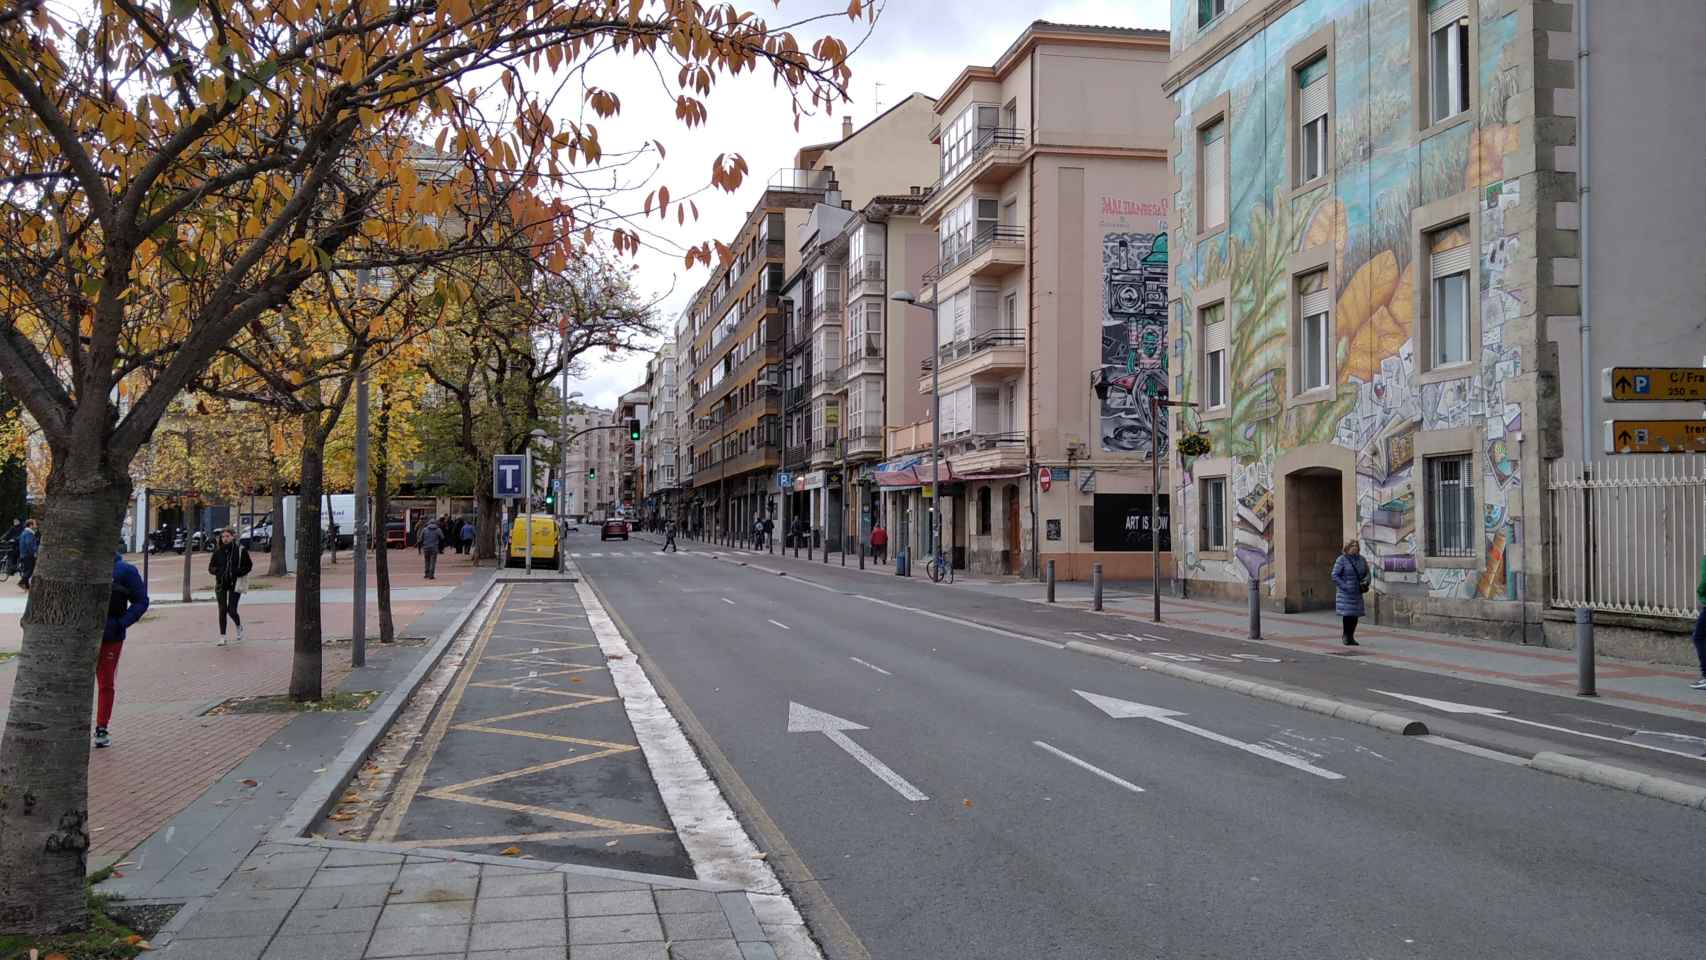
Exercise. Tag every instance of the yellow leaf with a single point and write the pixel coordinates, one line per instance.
(510, 852)
(1370, 288)
(1327, 225)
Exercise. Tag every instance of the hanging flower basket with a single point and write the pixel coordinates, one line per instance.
(1194, 445)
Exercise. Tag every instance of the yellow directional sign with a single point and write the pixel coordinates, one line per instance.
(1655, 436)
(1653, 383)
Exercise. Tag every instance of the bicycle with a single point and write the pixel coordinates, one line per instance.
(8, 560)
(938, 567)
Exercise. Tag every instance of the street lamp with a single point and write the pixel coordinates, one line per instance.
(1158, 401)
(907, 297)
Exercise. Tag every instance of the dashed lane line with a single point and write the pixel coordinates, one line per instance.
(1086, 765)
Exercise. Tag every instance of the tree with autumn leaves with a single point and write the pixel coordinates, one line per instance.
(173, 173)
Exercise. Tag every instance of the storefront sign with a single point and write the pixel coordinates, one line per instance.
(1122, 522)
(809, 481)
(1053, 530)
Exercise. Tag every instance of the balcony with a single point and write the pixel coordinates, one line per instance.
(865, 278)
(795, 454)
(797, 180)
(794, 396)
(997, 154)
(825, 312)
(865, 442)
(864, 355)
(907, 439)
(760, 305)
(829, 378)
(772, 249)
(996, 250)
(993, 351)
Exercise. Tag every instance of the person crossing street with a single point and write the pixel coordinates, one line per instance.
(669, 538)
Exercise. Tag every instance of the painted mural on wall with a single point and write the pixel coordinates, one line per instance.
(1381, 173)
(1134, 338)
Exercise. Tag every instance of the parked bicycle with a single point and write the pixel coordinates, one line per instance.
(8, 560)
(939, 568)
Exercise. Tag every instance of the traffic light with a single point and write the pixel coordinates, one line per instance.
(592, 473)
(634, 430)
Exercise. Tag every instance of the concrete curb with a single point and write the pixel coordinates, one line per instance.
(1379, 719)
(318, 798)
(1619, 778)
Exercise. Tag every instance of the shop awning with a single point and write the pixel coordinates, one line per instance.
(1005, 473)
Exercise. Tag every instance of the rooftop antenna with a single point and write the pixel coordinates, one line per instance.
(877, 97)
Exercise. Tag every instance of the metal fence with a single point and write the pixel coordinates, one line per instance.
(1647, 520)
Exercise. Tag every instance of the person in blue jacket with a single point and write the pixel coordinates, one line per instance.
(1351, 580)
(125, 605)
(29, 544)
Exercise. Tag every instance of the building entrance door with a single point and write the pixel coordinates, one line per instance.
(1314, 522)
(1013, 552)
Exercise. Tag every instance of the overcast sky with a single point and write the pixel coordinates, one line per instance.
(917, 46)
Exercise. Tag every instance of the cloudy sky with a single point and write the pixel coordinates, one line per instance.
(915, 46)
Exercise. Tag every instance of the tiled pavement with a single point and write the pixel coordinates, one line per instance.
(325, 900)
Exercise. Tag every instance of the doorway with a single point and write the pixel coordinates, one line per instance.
(1314, 521)
(1012, 551)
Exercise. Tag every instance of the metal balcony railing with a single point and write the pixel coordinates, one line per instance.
(961, 349)
(991, 141)
(867, 347)
(867, 270)
(1001, 234)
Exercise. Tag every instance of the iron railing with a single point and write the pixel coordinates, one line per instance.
(1628, 537)
(987, 340)
(1002, 234)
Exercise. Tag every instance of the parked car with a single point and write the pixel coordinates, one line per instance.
(613, 528)
(258, 537)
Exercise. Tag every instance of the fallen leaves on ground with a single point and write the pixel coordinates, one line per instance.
(966, 802)
(249, 782)
(340, 817)
(510, 852)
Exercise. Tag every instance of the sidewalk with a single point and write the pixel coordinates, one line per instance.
(166, 753)
(1652, 688)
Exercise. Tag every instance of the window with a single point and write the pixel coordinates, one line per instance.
(983, 512)
(1448, 59)
(1211, 177)
(964, 135)
(1451, 506)
(1314, 336)
(1214, 513)
(1214, 340)
(1010, 312)
(1448, 295)
(1208, 10)
(1313, 98)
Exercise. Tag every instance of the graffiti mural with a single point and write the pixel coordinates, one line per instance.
(1134, 338)
(1378, 400)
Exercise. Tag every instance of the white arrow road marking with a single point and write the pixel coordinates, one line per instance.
(803, 719)
(873, 666)
(1126, 709)
(729, 602)
(1446, 706)
(1086, 765)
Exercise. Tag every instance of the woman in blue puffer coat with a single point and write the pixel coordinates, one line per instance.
(1350, 577)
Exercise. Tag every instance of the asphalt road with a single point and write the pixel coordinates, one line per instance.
(1260, 830)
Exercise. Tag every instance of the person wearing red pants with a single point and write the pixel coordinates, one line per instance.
(125, 605)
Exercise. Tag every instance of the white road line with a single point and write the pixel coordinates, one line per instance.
(863, 663)
(781, 624)
(719, 846)
(1446, 706)
(964, 623)
(803, 719)
(1473, 750)
(729, 602)
(1085, 765)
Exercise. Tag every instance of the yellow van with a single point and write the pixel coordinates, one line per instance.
(546, 554)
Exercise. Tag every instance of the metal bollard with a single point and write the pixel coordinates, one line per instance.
(1051, 581)
(1584, 653)
(1255, 609)
(1095, 586)
(861, 553)
(825, 549)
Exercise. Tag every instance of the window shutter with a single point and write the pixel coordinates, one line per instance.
(1444, 13)
(984, 311)
(1318, 301)
(1214, 329)
(1312, 100)
(1447, 262)
(1214, 179)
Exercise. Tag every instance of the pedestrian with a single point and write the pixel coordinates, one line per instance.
(758, 533)
(431, 542)
(29, 544)
(879, 542)
(467, 537)
(230, 565)
(769, 532)
(332, 538)
(669, 538)
(1350, 576)
(1700, 626)
(126, 604)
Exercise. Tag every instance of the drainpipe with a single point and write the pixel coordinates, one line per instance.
(1584, 208)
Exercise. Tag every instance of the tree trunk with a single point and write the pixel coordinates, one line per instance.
(305, 665)
(277, 567)
(44, 756)
(486, 527)
(382, 506)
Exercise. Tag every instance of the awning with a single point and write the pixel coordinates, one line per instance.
(1006, 473)
(898, 479)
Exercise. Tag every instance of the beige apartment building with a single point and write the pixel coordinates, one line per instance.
(1050, 221)
(738, 385)
(589, 486)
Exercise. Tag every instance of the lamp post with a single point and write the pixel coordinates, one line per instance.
(563, 446)
(907, 297)
(1158, 401)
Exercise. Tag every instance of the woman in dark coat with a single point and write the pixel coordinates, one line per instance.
(230, 566)
(1350, 578)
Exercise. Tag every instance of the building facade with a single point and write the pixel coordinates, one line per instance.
(743, 370)
(660, 438)
(589, 488)
(633, 409)
(1380, 298)
(1050, 220)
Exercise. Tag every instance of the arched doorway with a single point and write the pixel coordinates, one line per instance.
(1314, 499)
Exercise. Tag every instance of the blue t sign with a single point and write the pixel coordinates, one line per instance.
(508, 472)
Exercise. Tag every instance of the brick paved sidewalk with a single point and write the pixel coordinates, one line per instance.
(165, 752)
(325, 900)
